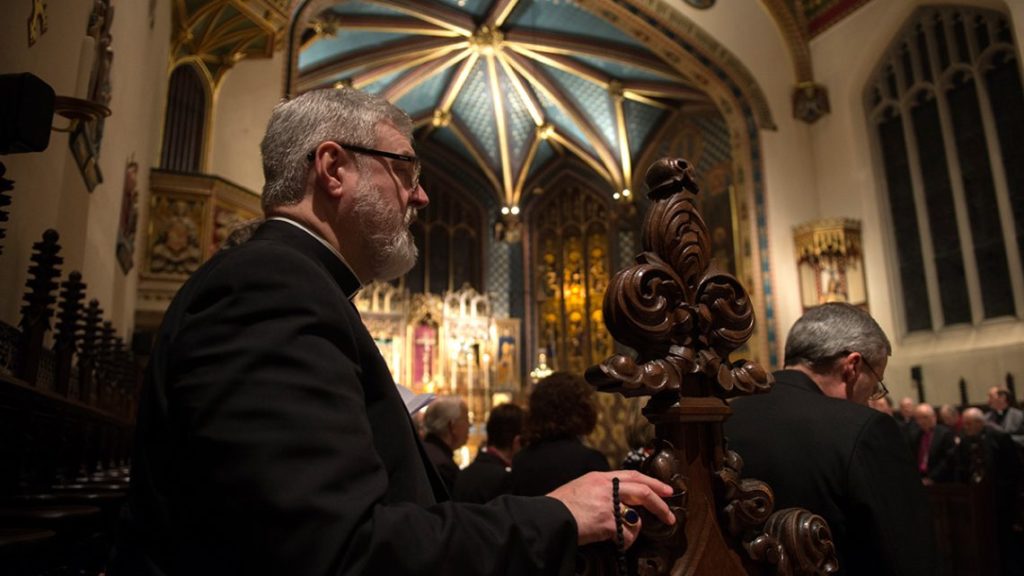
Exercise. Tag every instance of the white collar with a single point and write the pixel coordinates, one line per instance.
(322, 241)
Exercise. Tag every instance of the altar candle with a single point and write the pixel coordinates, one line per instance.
(86, 58)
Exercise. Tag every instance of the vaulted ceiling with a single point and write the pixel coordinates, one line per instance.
(508, 85)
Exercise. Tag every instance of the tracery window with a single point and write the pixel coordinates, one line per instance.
(449, 235)
(184, 121)
(946, 108)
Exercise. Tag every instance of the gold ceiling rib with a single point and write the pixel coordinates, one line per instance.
(407, 82)
(524, 170)
(212, 26)
(569, 65)
(238, 39)
(363, 79)
(453, 89)
(460, 132)
(437, 14)
(569, 45)
(526, 95)
(658, 89)
(499, 12)
(587, 157)
(539, 79)
(637, 97)
(498, 99)
(372, 56)
(406, 25)
(615, 89)
(219, 33)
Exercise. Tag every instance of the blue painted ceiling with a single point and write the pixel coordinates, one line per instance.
(508, 85)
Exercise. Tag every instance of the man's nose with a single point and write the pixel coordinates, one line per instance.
(418, 199)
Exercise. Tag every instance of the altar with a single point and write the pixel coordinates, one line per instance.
(447, 344)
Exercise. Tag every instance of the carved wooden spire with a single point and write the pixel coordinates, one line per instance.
(69, 329)
(680, 312)
(90, 345)
(5, 201)
(39, 301)
(684, 316)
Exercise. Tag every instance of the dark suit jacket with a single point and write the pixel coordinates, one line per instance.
(994, 455)
(440, 455)
(543, 466)
(272, 440)
(843, 461)
(940, 453)
(483, 480)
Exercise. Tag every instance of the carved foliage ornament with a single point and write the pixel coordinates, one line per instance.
(675, 305)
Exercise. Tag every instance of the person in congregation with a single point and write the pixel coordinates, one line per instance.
(933, 447)
(561, 413)
(271, 438)
(987, 456)
(446, 423)
(950, 417)
(490, 473)
(1004, 415)
(905, 418)
(816, 442)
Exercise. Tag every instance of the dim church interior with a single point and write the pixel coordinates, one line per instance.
(865, 151)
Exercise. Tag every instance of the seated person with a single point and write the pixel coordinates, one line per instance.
(934, 445)
(447, 426)
(561, 412)
(489, 475)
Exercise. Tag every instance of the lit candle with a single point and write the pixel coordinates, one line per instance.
(86, 58)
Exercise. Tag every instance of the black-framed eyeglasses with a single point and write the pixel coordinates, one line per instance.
(880, 390)
(412, 175)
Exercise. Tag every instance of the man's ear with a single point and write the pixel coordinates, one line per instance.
(333, 168)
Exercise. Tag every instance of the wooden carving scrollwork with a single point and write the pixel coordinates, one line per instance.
(684, 315)
(675, 307)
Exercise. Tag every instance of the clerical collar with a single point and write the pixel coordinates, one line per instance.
(325, 243)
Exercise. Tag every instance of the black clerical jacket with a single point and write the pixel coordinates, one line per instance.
(841, 460)
(272, 440)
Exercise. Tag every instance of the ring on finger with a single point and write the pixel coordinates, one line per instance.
(630, 517)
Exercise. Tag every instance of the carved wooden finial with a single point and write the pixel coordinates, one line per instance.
(5, 201)
(39, 300)
(90, 344)
(684, 317)
(104, 362)
(69, 329)
(668, 176)
(674, 306)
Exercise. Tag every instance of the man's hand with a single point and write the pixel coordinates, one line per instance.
(589, 500)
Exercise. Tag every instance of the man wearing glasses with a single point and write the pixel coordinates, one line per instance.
(271, 436)
(820, 447)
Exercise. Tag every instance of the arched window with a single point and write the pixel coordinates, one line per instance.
(571, 257)
(449, 235)
(946, 107)
(184, 122)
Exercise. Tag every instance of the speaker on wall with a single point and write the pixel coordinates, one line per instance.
(26, 113)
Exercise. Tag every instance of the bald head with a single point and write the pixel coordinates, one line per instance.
(907, 407)
(924, 415)
(974, 421)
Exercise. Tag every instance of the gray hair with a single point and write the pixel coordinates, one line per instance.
(974, 414)
(826, 332)
(299, 125)
(442, 411)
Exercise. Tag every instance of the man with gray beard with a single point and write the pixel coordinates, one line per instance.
(271, 437)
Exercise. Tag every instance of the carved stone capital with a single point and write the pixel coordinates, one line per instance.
(810, 102)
